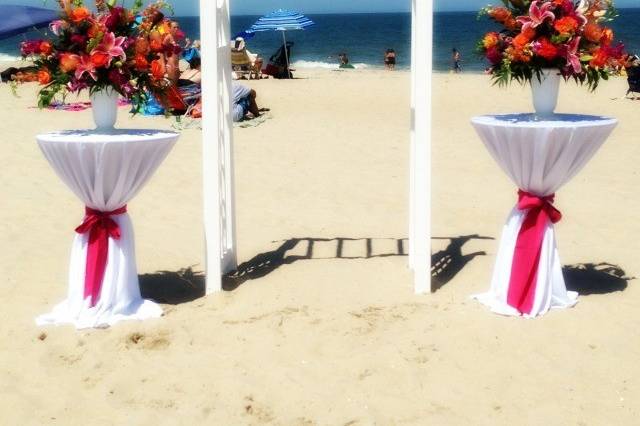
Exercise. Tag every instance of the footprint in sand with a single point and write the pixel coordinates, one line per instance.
(257, 411)
(154, 341)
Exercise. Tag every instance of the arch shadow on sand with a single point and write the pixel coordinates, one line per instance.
(595, 278)
(186, 285)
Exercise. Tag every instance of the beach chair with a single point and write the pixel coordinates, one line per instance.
(633, 76)
(242, 64)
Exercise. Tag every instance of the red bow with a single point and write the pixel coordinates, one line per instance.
(526, 256)
(101, 227)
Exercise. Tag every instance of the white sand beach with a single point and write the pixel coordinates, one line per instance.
(321, 327)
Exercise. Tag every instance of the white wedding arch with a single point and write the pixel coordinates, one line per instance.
(217, 125)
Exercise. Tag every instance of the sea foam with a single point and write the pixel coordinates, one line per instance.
(9, 58)
(325, 65)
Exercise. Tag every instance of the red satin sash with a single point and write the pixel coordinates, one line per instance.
(101, 227)
(524, 268)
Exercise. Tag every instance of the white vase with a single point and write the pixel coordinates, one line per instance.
(104, 104)
(545, 91)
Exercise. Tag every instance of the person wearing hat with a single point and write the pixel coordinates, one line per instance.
(256, 60)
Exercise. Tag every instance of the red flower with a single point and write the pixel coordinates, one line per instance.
(114, 18)
(607, 36)
(31, 47)
(157, 69)
(543, 47)
(79, 39)
(600, 58)
(141, 63)
(494, 55)
(567, 25)
(100, 59)
(46, 48)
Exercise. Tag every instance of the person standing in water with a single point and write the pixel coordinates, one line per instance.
(390, 59)
(456, 58)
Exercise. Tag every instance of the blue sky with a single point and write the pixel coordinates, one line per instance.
(257, 7)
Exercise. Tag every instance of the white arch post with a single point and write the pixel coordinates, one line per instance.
(420, 168)
(217, 147)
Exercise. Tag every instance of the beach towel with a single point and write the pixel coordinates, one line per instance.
(77, 106)
(186, 123)
(254, 122)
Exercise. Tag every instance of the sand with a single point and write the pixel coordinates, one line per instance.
(322, 327)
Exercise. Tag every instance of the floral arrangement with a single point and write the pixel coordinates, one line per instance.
(133, 51)
(567, 35)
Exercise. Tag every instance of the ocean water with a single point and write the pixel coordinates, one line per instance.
(365, 37)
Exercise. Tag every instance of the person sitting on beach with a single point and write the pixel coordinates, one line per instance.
(256, 60)
(390, 59)
(192, 75)
(244, 103)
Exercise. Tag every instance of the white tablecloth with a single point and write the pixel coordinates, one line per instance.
(539, 156)
(105, 171)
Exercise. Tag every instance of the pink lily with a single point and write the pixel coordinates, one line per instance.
(571, 55)
(537, 15)
(582, 20)
(112, 46)
(57, 26)
(86, 66)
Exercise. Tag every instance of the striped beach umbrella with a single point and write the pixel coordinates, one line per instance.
(18, 19)
(282, 20)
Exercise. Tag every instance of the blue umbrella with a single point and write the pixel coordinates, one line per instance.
(18, 19)
(246, 34)
(282, 20)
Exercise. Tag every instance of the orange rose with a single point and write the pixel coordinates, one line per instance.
(157, 69)
(79, 14)
(99, 59)
(500, 14)
(69, 62)
(593, 32)
(46, 48)
(141, 63)
(567, 25)
(607, 36)
(490, 40)
(44, 77)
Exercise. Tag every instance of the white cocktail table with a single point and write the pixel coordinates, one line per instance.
(105, 171)
(540, 155)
